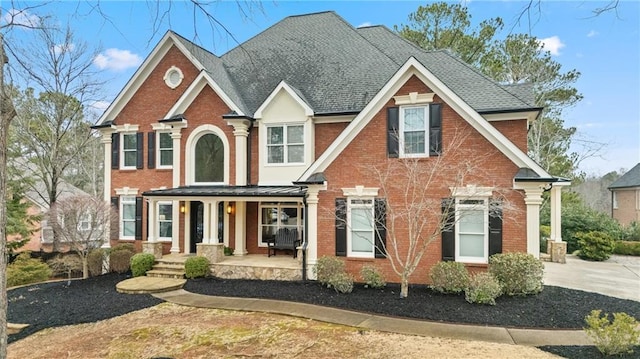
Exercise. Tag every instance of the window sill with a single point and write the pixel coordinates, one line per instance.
(361, 259)
(295, 164)
(127, 168)
(475, 265)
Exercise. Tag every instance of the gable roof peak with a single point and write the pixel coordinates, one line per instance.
(629, 179)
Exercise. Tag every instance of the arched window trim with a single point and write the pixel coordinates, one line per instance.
(190, 157)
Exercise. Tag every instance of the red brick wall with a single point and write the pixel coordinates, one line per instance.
(369, 150)
(325, 134)
(627, 210)
(515, 131)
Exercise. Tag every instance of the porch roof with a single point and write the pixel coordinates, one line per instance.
(229, 191)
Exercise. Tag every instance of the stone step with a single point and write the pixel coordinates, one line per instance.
(545, 257)
(169, 266)
(158, 273)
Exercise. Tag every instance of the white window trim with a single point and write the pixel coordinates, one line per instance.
(371, 207)
(167, 77)
(279, 207)
(285, 144)
(615, 200)
(127, 191)
(122, 151)
(190, 147)
(401, 132)
(164, 203)
(121, 215)
(158, 151)
(638, 199)
(485, 208)
(84, 219)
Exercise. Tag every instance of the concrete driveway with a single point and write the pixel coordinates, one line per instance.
(619, 276)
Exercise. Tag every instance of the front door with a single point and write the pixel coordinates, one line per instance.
(197, 224)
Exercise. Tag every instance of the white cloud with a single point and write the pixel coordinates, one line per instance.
(365, 24)
(58, 49)
(592, 33)
(116, 60)
(20, 18)
(552, 44)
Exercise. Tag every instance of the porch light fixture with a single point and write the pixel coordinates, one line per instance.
(182, 208)
(229, 208)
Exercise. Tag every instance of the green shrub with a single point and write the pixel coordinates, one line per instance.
(545, 233)
(483, 289)
(342, 283)
(228, 251)
(517, 273)
(595, 245)
(95, 261)
(449, 277)
(372, 277)
(141, 263)
(65, 264)
(27, 270)
(627, 248)
(196, 267)
(327, 268)
(120, 257)
(613, 338)
(632, 232)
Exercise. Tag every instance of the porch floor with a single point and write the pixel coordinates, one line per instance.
(250, 266)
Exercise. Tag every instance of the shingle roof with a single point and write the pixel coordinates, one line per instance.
(337, 68)
(629, 179)
(230, 191)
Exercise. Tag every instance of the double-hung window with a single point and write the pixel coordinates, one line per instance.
(165, 220)
(165, 150)
(414, 131)
(84, 224)
(361, 228)
(472, 238)
(285, 144)
(128, 217)
(129, 150)
(276, 216)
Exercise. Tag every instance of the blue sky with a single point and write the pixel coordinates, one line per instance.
(604, 48)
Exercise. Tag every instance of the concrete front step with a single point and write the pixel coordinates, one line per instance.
(159, 273)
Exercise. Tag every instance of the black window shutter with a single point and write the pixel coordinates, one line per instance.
(341, 227)
(139, 150)
(115, 151)
(448, 230)
(495, 228)
(115, 223)
(393, 134)
(151, 150)
(138, 217)
(381, 227)
(435, 129)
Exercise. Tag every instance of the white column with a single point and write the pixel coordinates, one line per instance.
(175, 227)
(153, 221)
(106, 140)
(206, 218)
(214, 222)
(241, 225)
(226, 225)
(312, 230)
(241, 132)
(176, 136)
(533, 200)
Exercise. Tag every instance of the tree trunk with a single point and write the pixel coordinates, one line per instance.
(404, 285)
(85, 267)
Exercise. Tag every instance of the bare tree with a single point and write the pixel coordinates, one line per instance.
(81, 223)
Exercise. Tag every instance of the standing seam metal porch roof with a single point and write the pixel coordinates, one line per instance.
(229, 191)
(338, 68)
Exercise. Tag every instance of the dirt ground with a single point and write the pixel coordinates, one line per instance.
(169, 330)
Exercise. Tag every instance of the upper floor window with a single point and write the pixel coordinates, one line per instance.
(615, 200)
(209, 159)
(165, 150)
(129, 150)
(414, 130)
(285, 144)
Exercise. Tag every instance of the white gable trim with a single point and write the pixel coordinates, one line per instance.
(194, 90)
(508, 116)
(308, 111)
(410, 68)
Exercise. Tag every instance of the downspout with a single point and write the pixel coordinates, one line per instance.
(306, 239)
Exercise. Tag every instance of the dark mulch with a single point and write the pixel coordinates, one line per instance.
(83, 301)
(586, 352)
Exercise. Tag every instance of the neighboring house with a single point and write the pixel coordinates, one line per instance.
(625, 197)
(270, 135)
(42, 237)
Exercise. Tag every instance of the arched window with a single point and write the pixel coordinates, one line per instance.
(209, 159)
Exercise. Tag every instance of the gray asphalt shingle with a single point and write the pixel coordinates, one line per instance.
(629, 179)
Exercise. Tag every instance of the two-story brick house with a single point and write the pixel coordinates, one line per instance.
(625, 197)
(276, 134)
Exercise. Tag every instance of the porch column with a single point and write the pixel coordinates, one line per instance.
(214, 223)
(557, 248)
(151, 231)
(206, 226)
(175, 227)
(241, 226)
(106, 140)
(241, 132)
(312, 227)
(533, 200)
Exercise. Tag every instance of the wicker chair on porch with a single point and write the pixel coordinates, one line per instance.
(284, 239)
